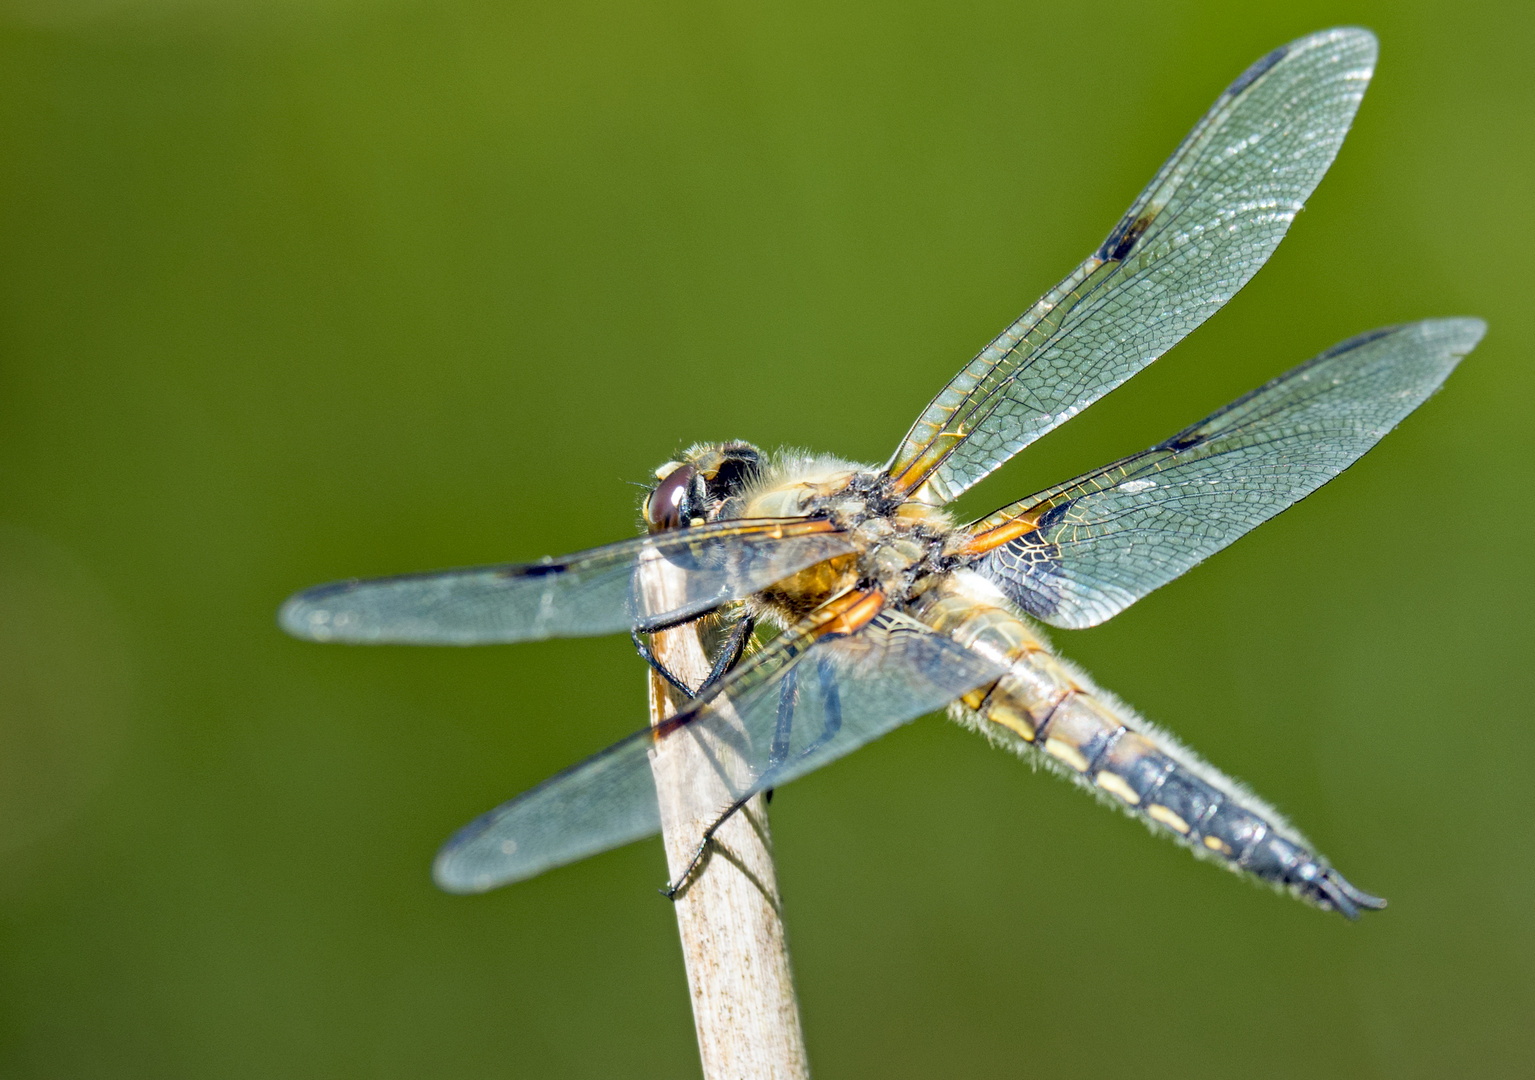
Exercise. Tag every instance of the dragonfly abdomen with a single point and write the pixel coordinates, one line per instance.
(1046, 709)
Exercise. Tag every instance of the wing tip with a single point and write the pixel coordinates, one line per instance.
(1349, 44)
(474, 861)
(1448, 339)
(1455, 336)
(451, 877)
(302, 618)
(307, 616)
(1359, 37)
(1461, 333)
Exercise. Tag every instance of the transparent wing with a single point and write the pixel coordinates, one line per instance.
(1204, 225)
(1086, 550)
(594, 592)
(800, 703)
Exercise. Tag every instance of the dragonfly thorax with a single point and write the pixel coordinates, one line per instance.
(899, 544)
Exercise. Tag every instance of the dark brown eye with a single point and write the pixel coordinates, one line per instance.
(664, 508)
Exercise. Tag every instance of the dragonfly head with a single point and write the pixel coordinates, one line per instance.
(696, 488)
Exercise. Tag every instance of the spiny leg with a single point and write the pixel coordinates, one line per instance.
(731, 650)
(729, 655)
(675, 887)
(831, 699)
(656, 665)
(778, 757)
(782, 729)
(650, 657)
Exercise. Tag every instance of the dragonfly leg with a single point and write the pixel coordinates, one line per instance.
(831, 707)
(778, 757)
(832, 703)
(730, 652)
(656, 665)
(675, 887)
(729, 656)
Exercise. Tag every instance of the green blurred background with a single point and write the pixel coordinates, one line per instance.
(302, 289)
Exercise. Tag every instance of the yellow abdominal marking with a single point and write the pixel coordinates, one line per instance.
(1116, 784)
(1158, 812)
(1064, 751)
(1216, 844)
(1016, 721)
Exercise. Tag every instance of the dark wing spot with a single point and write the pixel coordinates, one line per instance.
(1125, 236)
(534, 570)
(1356, 341)
(1050, 518)
(1184, 440)
(1256, 70)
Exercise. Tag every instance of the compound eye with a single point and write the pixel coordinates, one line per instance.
(664, 508)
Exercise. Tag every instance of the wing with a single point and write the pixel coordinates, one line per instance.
(803, 701)
(595, 592)
(1204, 225)
(1086, 550)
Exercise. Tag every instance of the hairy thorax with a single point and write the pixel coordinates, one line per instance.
(900, 544)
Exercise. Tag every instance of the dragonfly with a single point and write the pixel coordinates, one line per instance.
(887, 608)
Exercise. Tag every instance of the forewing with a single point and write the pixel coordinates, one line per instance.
(1204, 225)
(800, 703)
(594, 592)
(1090, 548)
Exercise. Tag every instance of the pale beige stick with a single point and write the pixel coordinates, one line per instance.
(729, 914)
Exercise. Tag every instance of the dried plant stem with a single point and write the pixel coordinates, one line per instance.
(729, 914)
